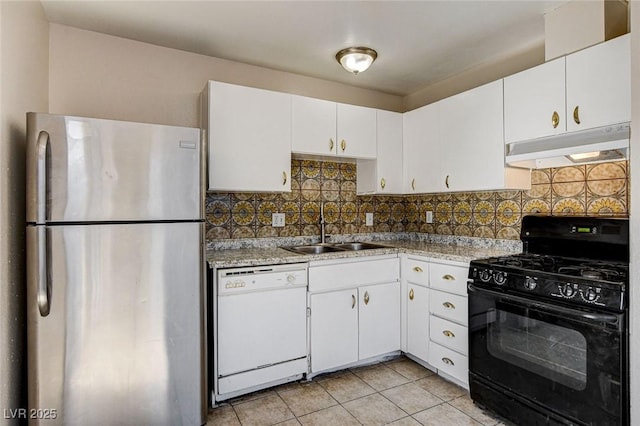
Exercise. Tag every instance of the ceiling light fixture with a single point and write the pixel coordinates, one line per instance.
(356, 59)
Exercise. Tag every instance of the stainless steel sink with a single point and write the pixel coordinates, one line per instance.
(329, 248)
(314, 249)
(359, 246)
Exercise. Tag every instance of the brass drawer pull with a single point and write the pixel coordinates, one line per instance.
(448, 333)
(417, 269)
(353, 301)
(576, 114)
(448, 277)
(343, 145)
(284, 178)
(413, 184)
(448, 361)
(331, 144)
(411, 294)
(366, 298)
(383, 183)
(555, 119)
(449, 305)
(446, 182)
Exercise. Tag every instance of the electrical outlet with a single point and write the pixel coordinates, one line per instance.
(369, 219)
(277, 220)
(429, 217)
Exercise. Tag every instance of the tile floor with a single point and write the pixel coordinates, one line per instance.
(398, 392)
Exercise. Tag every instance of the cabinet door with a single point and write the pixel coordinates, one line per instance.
(599, 85)
(356, 131)
(422, 150)
(384, 174)
(249, 133)
(334, 329)
(531, 98)
(379, 321)
(472, 135)
(313, 126)
(418, 321)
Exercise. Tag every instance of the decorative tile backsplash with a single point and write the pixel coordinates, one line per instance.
(596, 189)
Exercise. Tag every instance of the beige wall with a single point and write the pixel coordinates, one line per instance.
(634, 217)
(24, 55)
(97, 75)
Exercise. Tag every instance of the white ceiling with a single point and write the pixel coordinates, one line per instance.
(418, 42)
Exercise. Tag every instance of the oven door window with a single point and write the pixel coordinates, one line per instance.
(549, 350)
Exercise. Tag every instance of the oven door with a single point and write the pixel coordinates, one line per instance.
(564, 362)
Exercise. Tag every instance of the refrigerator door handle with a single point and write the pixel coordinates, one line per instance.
(43, 293)
(41, 176)
(44, 287)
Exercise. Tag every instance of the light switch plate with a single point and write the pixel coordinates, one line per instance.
(429, 217)
(369, 219)
(277, 220)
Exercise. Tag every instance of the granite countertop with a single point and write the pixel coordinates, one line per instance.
(452, 250)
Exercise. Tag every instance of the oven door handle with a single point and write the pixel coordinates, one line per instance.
(563, 312)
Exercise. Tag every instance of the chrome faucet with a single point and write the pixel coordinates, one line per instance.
(322, 234)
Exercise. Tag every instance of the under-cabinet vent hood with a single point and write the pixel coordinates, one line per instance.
(608, 143)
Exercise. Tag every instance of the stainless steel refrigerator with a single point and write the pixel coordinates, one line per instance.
(115, 267)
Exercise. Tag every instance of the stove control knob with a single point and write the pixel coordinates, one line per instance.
(591, 294)
(485, 275)
(500, 277)
(568, 290)
(530, 283)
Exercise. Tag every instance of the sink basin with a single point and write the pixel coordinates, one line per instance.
(329, 248)
(359, 246)
(314, 249)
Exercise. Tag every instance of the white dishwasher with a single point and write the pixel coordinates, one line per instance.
(261, 325)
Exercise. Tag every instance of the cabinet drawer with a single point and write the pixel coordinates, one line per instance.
(446, 333)
(416, 271)
(354, 273)
(449, 278)
(449, 362)
(450, 306)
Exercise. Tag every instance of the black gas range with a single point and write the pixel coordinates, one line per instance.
(548, 335)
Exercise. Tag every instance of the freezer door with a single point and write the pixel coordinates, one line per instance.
(83, 170)
(122, 343)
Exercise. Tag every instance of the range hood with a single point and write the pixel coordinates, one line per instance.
(608, 143)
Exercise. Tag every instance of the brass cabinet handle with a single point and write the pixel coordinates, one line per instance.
(343, 145)
(366, 297)
(383, 183)
(284, 178)
(555, 119)
(413, 184)
(448, 277)
(448, 361)
(331, 144)
(449, 305)
(411, 294)
(417, 269)
(576, 114)
(446, 182)
(353, 301)
(448, 333)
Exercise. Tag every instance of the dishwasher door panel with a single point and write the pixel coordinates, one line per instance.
(260, 329)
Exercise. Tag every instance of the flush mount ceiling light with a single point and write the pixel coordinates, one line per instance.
(356, 59)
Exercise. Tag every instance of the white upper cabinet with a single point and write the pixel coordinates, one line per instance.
(384, 174)
(328, 128)
(599, 85)
(249, 135)
(313, 126)
(356, 134)
(421, 150)
(534, 102)
(471, 135)
(587, 89)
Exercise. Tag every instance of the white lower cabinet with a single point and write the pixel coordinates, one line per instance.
(418, 321)
(334, 329)
(354, 310)
(434, 314)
